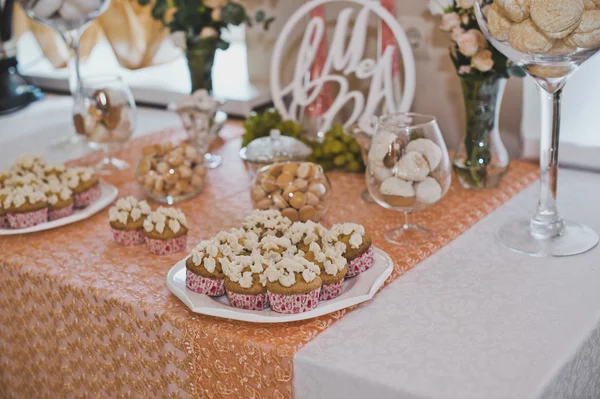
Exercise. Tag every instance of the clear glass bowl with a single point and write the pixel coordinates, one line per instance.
(300, 190)
(408, 170)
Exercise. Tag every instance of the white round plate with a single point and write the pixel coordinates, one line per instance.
(108, 193)
(356, 290)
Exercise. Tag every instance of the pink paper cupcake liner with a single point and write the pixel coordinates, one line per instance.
(88, 196)
(293, 304)
(330, 291)
(128, 237)
(166, 247)
(249, 302)
(4, 224)
(27, 219)
(204, 285)
(361, 264)
(60, 213)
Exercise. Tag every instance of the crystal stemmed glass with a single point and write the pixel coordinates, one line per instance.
(364, 141)
(546, 233)
(408, 169)
(69, 18)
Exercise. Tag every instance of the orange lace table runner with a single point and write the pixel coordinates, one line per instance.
(83, 316)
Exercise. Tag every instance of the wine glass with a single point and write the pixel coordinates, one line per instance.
(408, 169)
(364, 141)
(105, 114)
(69, 18)
(546, 233)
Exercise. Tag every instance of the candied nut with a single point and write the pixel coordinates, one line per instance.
(171, 178)
(298, 200)
(200, 170)
(312, 199)
(516, 10)
(144, 166)
(291, 168)
(149, 181)
(102, 100)
(301, 184)
(257, 193)
(587, 34)
(79, 122)
(269, 184)
(196, 181)
(185, 172)
(317, 189)
(279, 202)
(112, 117)
(305, 170)
(149, 150)
(167, 147)
(264, 204)
(158, 184)
(190, 152)
(95, 112)
(289, 191)
(276, 169)
(175, 160)
(527, 38)
(183, 186)
(291, 214)
(557, 18)
(498, 23)
(307, 213)
(162, 168)
(284, 179)
(173, 192)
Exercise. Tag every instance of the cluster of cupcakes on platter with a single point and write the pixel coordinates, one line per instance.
(164, 231)
(274, 262)
(33, 192)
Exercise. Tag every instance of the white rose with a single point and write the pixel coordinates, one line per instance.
(483, 61)
(468, 43)
(465, 18)
(457, 32)
(208, 31)
(438, 7)
(465, 3)
(179, 40)
(450, 21)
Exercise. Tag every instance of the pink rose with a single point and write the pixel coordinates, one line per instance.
(482, 61)
(464, 69)
(208, 31)
(465, 19)
(465, 3)
(468, 43)
(450, 21)
(457, 32)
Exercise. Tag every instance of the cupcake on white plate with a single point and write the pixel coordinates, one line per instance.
(302, 234)
(26, 206)
(245, 282)
(28, 163)
(126, 220)
(333, 267)
(359, 251)
(204, 272)
(165, 231)
(85, 185)
(60, 200)
(267, 222)
(293, 285)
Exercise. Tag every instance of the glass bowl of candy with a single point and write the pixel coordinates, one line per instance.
(300, 190)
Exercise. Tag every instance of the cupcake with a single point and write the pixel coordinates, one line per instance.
(26, 207)
(3, 217)
(269, 222)
(245, 283)
(358, 252)
(302, 234)
(126, 220)
(54, 170)
(293, 285)
(236, 242)
(85, 185)
(24, 179)
(274, 248)
(204, 273)
(4, 175)
(333, 268)
(29, 163)
(165, 231)
(60, 200)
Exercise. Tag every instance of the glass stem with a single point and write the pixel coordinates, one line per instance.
(408, 220)
(546, 223)
(75, 83)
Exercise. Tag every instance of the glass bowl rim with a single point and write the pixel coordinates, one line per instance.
(430, 120)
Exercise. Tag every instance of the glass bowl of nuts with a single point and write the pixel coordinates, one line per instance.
(171, 174)
(300, 190)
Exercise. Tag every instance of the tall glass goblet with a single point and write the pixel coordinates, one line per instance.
(546, 233)
(408, 169)
(69, 18)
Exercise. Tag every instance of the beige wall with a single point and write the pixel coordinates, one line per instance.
(438, 90)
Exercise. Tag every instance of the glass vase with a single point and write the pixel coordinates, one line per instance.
(481, 160)
(200, 59)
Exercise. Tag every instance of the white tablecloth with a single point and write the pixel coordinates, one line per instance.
(472, 321)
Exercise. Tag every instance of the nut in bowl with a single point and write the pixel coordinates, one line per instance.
(299, 190)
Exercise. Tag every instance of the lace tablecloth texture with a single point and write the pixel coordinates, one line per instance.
(83, 316)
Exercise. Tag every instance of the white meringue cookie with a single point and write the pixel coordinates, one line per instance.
(428, 191)
(397, 187)
(430, 150)
(380, 172)
(45, 8)
(380, 145)
(412, 166)
(70, 12)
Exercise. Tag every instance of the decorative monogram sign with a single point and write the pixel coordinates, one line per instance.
(345, 57)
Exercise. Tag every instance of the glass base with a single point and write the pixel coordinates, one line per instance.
(108, 166)
(409, 234)
(366, 196)
(212, 161)
(67, 140)
(575, 240)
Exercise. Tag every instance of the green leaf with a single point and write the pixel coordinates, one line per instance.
(260, 16)
(143, 2)
(222, 44)
(233, 14)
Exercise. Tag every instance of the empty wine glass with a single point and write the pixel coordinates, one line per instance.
(408, 169)
(69, 18)
(105, 114)
(550, 62)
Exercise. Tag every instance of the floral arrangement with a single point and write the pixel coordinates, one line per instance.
(472, 54)
(337, 151)
(191, 21)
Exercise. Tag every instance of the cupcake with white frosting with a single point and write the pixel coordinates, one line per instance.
(26, 206)
(269, 222)
(165, 231)
(126, 220)
(204, 271)
(84, 183)
(60, 200)
(29, 163)
(293, 285)
(302, 234)
(333, 267)
(245, 281)
(3, 217)
(359, 251)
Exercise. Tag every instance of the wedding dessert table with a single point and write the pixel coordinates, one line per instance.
(461, 316)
